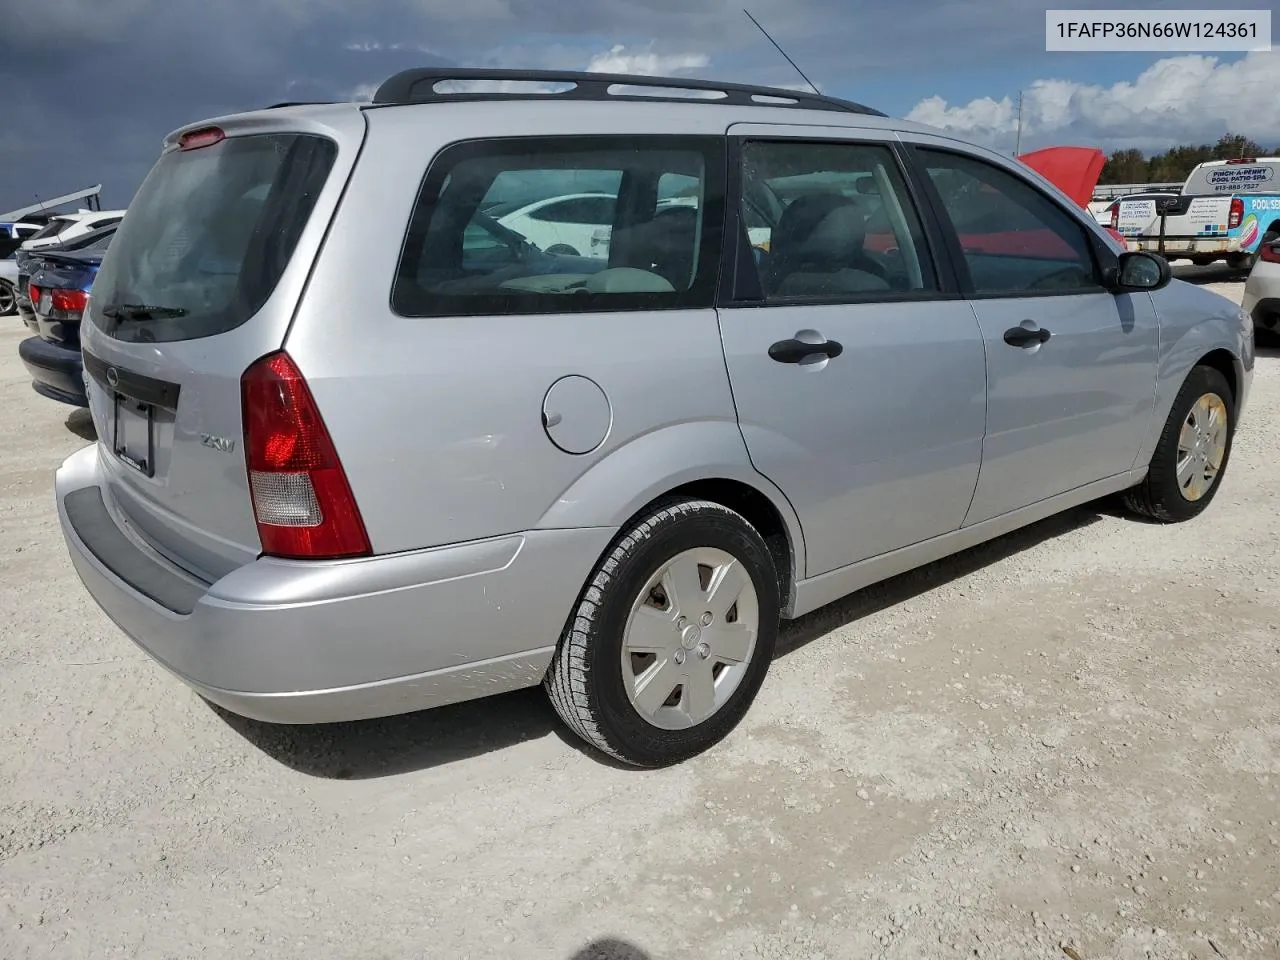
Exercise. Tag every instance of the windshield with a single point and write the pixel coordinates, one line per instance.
(208, 236)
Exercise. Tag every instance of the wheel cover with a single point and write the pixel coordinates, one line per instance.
(7, 300)
(690, 638)
(1202, 446)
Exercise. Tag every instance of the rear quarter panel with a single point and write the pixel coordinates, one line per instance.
(438, 421)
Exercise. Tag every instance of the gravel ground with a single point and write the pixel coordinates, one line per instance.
(1065, 743)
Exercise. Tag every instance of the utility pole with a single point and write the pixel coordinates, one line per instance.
(1017, 149)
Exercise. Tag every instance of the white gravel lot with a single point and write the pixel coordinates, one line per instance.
(1063, 744)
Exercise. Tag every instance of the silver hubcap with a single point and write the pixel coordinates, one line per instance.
(1202, 445)
(689, 639)
(6, 300)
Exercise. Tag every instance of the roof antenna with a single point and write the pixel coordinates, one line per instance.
(781, 51)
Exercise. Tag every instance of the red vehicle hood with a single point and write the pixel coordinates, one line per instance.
(1073, 170)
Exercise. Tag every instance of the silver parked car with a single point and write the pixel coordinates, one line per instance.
(1261, 298)
(362, 452)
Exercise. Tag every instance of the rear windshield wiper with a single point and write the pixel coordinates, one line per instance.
(141, 311)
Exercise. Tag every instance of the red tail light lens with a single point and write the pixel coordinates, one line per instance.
(1114, 210)
(70, 301)
(1270, 252)
(1236, 214)
(33, 294)
(301, 498)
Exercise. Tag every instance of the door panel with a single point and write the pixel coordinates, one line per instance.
(1071, 368)
(877, 448)
(876, 438)
(1071, 410)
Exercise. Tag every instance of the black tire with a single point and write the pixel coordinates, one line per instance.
(8, 299)
(1160, 496)
(563, 249)
(586, 682)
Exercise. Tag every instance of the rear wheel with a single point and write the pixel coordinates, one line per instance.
(8, 299)
(1192, 453)
(672, 637)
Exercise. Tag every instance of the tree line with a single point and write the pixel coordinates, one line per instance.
(1172, 166)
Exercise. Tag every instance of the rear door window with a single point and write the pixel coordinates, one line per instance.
(481, 240)
(208, 236)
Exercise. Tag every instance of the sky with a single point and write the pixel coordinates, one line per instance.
(88, 88)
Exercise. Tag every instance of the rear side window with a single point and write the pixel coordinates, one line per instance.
(208, 236)
(508, 226)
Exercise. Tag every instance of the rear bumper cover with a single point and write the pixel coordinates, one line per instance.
(56, 371)
(1175, 247)
(317, 642)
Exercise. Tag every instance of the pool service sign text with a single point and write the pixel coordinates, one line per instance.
(1240, 179)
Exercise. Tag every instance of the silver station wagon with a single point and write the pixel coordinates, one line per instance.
(365, 447)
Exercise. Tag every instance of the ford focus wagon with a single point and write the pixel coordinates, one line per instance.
(367, 448)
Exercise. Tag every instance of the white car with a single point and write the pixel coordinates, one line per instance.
(1262, 291)
(68, 226)
(575, 224)
(8, 286)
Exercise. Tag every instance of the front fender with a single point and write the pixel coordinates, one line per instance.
(645, 468)
(1193, 324)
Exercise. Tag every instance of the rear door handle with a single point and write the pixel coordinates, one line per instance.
(797, 351)
(1021, 336)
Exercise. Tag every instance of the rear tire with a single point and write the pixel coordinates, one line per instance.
(654, 667)
(1192, 453)
(8, 299)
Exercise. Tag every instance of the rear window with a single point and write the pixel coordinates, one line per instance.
(51, 229)
(208, 237)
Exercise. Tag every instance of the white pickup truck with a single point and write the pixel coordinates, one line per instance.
(1226, 211)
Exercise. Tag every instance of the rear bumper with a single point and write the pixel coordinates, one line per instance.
(56, 371)
(1265, 313)
(1178, 247)
(317, 642)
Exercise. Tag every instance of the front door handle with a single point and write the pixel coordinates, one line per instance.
(1026, 336)
(797, 351)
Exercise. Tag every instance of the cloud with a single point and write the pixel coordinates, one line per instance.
(648, 64)
(1176, 100)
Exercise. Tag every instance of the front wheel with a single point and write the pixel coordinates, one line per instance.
(671, 638)
(8, 299)
(1192, 453)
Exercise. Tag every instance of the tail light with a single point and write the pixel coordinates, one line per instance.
(1114, 210)
(69, 301)
(33, 294)
(204, 137)
(1270, 252)
(301, 498)
(1236, 214)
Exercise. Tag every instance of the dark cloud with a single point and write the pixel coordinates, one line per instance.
(91, 86)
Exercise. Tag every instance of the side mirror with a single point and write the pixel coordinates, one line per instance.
(1139, 272)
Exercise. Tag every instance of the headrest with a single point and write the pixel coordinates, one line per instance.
(819, 228)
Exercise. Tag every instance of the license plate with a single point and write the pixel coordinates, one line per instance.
(135, 434)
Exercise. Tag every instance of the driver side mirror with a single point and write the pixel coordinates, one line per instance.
(1138, 272)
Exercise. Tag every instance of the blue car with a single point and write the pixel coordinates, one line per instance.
(57, 293)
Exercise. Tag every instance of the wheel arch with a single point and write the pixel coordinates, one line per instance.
(702, 460)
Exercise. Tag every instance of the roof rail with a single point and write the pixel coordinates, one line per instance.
(419, 86)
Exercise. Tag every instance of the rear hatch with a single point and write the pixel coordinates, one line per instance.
(200, 281)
